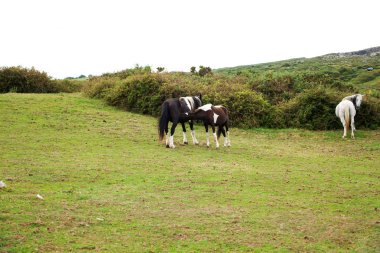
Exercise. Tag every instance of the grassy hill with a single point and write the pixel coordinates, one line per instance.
(350, 68)
(109, 185)
(298, 93)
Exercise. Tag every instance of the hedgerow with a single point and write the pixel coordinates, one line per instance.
(300, 100)
(24, 80)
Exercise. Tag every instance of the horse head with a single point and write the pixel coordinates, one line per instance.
(358, 100)
(355, 99)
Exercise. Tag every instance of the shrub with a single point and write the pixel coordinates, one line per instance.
(246, 108)
(25, 80)
(367, 76)
(98, 87)
(138, 93)
(368, 115)
(313, 109)
(276, 101)
(68, 85)
(276, 88)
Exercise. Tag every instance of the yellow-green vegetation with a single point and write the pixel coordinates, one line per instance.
(108, 185)
(24, 80)
(300, 93)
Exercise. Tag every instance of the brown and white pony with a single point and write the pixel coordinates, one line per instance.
(213, 116)
(171, 110)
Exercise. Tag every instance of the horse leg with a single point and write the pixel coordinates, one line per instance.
(215, 137)
(195, 141)
(207, 135)
(224, 135)
(184, 133)
(344, 126)
(352, 127)
(172, 130)
(228, 135)
(166, 134)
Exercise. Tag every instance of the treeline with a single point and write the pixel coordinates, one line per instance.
(274, 100)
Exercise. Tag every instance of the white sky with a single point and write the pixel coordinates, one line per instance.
(74, 37)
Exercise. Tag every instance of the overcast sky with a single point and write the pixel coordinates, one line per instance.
(74, 37)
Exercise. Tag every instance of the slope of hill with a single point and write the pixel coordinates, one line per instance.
(109, 186)
(360, 68)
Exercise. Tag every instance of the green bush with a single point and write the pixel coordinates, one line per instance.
(246, 108)
(98, 87)
(67, 85)
(272, 100)
(368, 115)
(138, 93)
(313, 109)
(275, 87)
(23, 80)
(367, 76)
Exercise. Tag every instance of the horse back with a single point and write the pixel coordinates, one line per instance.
(222, 112)
(343, 106)
(172, 105)
(220, 109)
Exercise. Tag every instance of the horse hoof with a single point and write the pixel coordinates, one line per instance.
(185, 143)
(167, 146)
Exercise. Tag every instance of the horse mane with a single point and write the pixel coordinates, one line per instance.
(352, 98)
(184, 102)
(197, 102)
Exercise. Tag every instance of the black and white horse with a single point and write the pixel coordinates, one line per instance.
(346, 110)
(213, 116)
(171, 110)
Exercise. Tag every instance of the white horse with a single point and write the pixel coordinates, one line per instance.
(346, 110)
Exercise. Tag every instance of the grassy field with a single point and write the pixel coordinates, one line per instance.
(109, 185)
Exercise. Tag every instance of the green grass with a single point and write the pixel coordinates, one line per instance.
(349, 70)
(110, 186)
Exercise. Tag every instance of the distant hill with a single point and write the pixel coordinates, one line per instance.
(373, 51)
(359, 68)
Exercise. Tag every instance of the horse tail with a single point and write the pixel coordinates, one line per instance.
(347, 116)
(227, 114)
(225, 111)
(163, 120)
